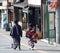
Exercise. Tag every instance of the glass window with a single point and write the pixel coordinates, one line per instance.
(0, 4)
(24, 18)
(20, 15)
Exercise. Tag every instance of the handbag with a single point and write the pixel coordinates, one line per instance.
(31, 32)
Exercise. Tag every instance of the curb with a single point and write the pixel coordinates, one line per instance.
(51, 43)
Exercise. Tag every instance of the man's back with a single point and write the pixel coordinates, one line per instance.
(17, 28)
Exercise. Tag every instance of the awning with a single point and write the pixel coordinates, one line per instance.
(21, 5)
(10, 7)
(30, 5)
(26, 10)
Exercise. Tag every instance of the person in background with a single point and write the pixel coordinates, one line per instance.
(16, 34)
(30, 34)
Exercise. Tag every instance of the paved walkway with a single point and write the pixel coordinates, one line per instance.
(41, 47)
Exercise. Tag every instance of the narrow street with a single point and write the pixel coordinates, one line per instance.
(40, 47)
(43, 16)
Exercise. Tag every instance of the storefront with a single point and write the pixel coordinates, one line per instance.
(35, 16)
(35, 13)
(28, 12)
(21, 13)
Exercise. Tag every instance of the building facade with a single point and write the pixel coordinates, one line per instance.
(3, 13)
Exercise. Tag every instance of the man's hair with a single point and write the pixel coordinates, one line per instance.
(16, 21)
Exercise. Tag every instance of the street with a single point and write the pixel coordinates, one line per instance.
(40, 47)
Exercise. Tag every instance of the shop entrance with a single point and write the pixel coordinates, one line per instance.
(52, 27)
(35, 18)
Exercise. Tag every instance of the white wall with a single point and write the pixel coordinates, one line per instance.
(4, 4)
(34, 2)
(11, 0)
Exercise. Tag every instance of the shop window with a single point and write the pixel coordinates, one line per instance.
(37, 15)
(24, 21)
(0, 4)
(24, 18)
(21, 0)
(9, 4)
(11, 16)
(43, 1)
(20, 15)
(32, 17)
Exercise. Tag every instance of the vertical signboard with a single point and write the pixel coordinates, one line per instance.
(52, 26)
(51, 20)
(4, 20)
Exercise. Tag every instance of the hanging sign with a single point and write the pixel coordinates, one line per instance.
(54, 5)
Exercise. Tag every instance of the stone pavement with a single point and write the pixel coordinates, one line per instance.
(41, 47)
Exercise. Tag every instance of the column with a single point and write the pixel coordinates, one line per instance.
(58, 23)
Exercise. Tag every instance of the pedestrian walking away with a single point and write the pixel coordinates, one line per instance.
(16, 34)
(30, 34)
